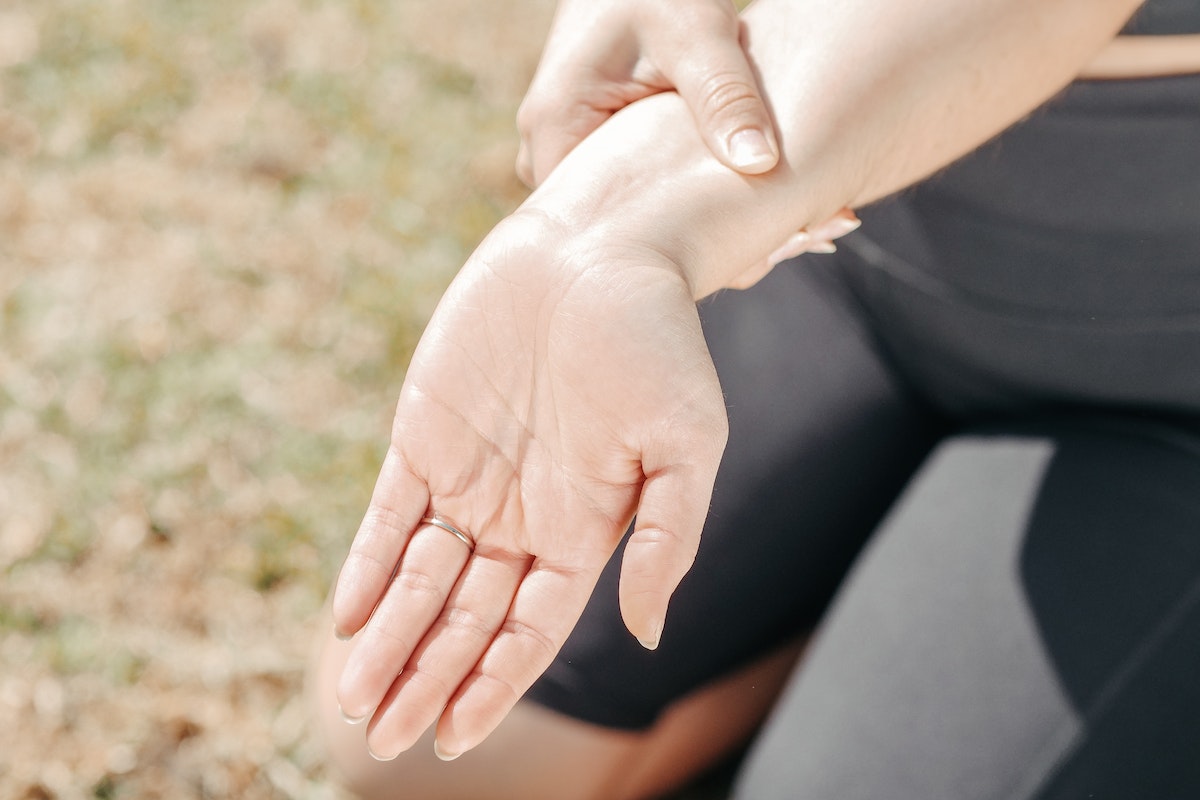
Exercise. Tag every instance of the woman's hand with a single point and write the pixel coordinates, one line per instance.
(562, 386)
(603, 55)
(817, 239)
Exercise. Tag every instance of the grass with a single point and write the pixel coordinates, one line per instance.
(222, 226)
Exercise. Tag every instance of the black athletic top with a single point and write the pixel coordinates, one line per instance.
(1165, 17)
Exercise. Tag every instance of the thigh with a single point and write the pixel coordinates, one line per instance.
(822, 437)
(537, 753)
(1025, 625)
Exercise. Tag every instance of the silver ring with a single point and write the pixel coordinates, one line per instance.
(437, 522)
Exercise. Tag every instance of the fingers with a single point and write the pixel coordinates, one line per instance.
(662, 547)
(552, 120)
(581, 80)
(545, 609)
(817, 239)
(473, 614)
(679, 462)
(837, 226)
(467, 654)
(599, 61)
(716, 80)
(397, 503)
(525, 165)
(416, 596)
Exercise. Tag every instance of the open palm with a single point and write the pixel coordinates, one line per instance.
(558, 390)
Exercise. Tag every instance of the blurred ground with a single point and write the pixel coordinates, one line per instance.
(222, 225)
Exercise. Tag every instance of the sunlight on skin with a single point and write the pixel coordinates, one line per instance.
(1145, 57)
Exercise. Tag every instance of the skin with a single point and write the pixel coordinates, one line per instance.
(563, 383)
(601, 57)
(1145, 57)
(537, 753)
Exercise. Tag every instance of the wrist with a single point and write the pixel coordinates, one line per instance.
(646, 178)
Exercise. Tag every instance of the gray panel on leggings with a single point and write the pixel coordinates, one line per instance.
(928, 680)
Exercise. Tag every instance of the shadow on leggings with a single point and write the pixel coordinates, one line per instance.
(1024, 625)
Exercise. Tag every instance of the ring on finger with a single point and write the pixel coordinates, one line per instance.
(438, 521)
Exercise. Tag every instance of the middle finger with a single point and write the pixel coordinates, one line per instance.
(465, 628)
(428, 569)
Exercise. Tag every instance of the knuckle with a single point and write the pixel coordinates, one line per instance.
(530, 114)
(683, 548)
(466, 623)
(671, 555)
(525, 173)
(492, 684)
(660, 537)
(388, 628)
(728, 95)
(530, 638)
(359, 561)
(429, 683)
(381, 521)
(525, 123)
(418, 583)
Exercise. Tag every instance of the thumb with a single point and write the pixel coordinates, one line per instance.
(719, 85)
(662, 547)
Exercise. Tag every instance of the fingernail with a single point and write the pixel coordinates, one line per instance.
(651, 642)
(750, 151)
(378, 757)
(823, 247)
(342, 637)
(838, 226)
(349, 719)
(796, 244)
(442, 754)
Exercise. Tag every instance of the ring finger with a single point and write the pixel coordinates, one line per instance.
(428, 568)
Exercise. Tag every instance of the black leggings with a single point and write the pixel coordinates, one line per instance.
(1026, 624)
(1008, 399)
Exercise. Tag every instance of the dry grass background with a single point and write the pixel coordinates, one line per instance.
(222, 225)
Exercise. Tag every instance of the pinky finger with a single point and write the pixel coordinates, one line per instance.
(399, 500)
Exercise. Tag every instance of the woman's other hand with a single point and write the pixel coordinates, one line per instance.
(817, 239)
(562, 386)
(603, 55)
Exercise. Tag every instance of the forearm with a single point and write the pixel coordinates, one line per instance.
(869, 97)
